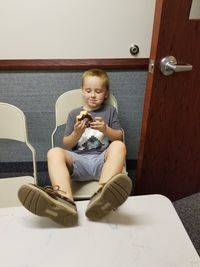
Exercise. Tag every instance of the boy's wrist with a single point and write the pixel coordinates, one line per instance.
(76, 135)
(105, 129)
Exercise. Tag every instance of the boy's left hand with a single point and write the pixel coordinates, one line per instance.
(98, 124)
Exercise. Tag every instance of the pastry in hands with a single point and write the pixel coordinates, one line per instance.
(86, 116)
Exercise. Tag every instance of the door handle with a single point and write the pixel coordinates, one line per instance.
(168, 65)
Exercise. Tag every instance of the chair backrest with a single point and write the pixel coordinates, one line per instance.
(13, 126)
(68, 101)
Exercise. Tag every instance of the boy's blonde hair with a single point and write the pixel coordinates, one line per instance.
(97, 73)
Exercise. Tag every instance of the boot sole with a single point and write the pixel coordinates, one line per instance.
(113, 194)
(40, 203)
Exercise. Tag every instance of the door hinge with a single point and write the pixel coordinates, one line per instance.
(151, 65)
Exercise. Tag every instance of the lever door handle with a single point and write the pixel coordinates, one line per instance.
(168, 65)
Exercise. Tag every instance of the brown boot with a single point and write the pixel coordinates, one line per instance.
(47, 202)
(109, 197)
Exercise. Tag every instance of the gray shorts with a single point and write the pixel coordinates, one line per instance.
(86, 167)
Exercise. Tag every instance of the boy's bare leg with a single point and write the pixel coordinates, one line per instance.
(115, 186)
(60, 167)
(47, 201)
(114, 161)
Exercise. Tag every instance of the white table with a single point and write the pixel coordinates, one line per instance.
(145, 232)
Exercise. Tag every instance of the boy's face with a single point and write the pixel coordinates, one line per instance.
(94, 92)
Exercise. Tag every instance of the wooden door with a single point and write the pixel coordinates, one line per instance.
(169, 152)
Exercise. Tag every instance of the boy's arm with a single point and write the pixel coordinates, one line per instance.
(71, 140)
(112, 134)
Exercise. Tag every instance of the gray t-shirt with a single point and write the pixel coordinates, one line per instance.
(93, 141)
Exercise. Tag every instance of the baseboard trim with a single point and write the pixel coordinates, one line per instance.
(10, 167)
(131, 164)
(22, 166)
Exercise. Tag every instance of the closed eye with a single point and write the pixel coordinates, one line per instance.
(98, 91)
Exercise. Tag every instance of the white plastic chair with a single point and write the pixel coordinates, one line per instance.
(13, 127)
(64, 104)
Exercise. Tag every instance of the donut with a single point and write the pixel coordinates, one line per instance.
(86, 116)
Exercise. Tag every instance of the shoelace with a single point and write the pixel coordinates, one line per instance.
(53, 190)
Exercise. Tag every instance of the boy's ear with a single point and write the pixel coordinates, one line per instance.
(107, 95)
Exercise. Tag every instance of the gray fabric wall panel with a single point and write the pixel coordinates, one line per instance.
(36, 92)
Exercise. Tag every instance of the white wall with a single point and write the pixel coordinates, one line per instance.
(74, 29)
(195, 10)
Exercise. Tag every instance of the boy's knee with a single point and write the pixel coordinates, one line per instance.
(54, 152)
(119, 146)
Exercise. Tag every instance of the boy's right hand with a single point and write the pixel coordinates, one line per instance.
(79, 127)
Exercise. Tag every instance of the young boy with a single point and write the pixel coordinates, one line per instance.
(90, 152)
